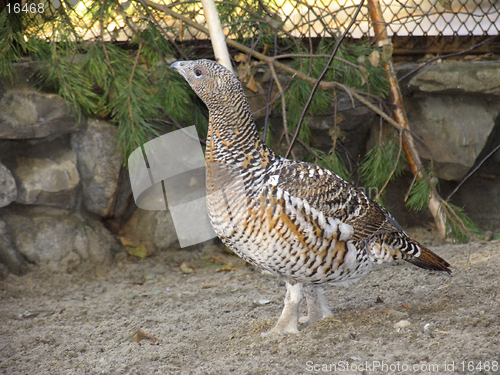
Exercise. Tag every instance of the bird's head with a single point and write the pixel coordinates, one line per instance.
(212, 82)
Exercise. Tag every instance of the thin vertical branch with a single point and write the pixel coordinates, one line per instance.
(473, 170)
(217, 36)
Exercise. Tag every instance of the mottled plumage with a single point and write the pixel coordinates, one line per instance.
(297, 220)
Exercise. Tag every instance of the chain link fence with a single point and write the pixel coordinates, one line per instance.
(90, 20)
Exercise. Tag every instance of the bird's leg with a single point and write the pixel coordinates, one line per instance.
(317, 307)
(288, 322)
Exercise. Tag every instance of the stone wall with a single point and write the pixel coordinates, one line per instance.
(64, 193)
(65, 196)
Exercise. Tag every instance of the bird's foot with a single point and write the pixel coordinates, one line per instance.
(317, 307)
(288, 322)
(306, 321)
(281, 330)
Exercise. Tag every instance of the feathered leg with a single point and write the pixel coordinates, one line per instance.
(288, 322)
(317, 307)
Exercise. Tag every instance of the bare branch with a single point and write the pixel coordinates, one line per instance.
(472, 171)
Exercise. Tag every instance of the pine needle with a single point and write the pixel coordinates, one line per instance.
(419, 194)
(380, 165)
(460, 227)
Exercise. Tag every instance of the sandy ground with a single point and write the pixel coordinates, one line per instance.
(148, 317)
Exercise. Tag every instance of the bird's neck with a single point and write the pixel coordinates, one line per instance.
(233, 138)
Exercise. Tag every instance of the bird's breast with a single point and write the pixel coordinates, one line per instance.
(280, 233)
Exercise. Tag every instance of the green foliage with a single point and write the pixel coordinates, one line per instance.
(296, 98)
(348, 72)
(459, 226)
(156, 43)
(418, 197)
(248, 21)
(381, 164)
(59, 71)
(12, 44)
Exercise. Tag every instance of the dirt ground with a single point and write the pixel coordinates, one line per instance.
(150, 317)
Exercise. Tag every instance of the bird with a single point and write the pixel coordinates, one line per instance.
(299, 221)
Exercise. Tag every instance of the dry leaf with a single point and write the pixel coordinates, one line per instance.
(266, 48)
(252, 85)
(193, 182)
(126, 242)
(446, 4)
(207, 286)
(226, 269)
(387, 52)
(137, 251)
(241, 57)
(243, 71)
(185, 268)
(374, 58)
(140, 335)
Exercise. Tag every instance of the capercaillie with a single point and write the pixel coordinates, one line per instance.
(297, 220)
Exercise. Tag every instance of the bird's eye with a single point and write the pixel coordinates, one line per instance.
(198, 72)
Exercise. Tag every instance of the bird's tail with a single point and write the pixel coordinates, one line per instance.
(397, 245)
(430, 261)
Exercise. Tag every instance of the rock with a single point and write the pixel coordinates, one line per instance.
(49, 177)
(427, 327)
(26, 113)
(477, 77)
(402, 324)
(185, 268)
(9, 255)
(99, 165)
(58, 238)
(154, 229)
(453, 128)
(8, 189)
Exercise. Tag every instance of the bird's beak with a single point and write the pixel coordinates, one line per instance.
(178, 66)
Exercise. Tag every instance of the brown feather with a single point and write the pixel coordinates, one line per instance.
(430, 261)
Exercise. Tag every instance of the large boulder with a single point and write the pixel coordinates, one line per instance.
(26, 113)
(452, 108)
(100, 168)
(9, 256)
(153, 229)
(60, 239)
(454, 129)
(473, 77)
(48, 176)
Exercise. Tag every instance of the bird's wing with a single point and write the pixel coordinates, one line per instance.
(371, 223)
(330, 194)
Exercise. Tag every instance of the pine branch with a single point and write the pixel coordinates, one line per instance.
(381, 164)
